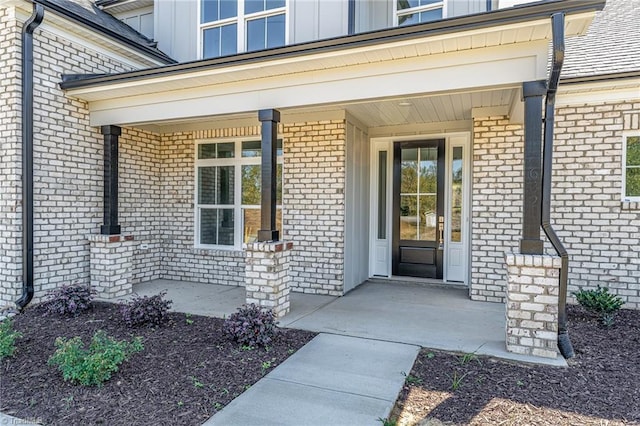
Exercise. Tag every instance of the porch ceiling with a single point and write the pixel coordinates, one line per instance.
(377, 113)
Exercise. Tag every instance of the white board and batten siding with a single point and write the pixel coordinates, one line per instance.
(176, 28)
(356, 241)
(176, 24)
(377, 15)
(317, 19)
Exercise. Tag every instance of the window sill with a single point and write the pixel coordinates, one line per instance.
(219, 251)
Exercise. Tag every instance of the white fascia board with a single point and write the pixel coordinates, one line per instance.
(461, 71)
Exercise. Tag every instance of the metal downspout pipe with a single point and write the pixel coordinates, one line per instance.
(27, 153)
(557, 21)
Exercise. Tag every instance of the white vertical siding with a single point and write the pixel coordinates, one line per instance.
(317, 19)
(373, 15)
(176, 28)
(356, 259)
(460, 8)
(376, 15)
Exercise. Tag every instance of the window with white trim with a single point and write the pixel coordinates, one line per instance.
(631, 168)
(227, 198)
(410, 12)
(228, 27)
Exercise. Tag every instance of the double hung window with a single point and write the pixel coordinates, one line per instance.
(228, 27)
(410, 12)
(228, 185)
(631, 168)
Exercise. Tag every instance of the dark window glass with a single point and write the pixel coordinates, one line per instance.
(456, 195)
(382, 195)
(216, 227)
(214, 10)
(275, 31)
(253, 6)
(264, 33)
(254, 148)
(220, 41)
(256, 34)
(215, 185)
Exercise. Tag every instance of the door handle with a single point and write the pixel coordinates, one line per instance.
(441, 230)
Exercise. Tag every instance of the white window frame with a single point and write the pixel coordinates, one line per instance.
(400, 12)
(625, 137)
(237, 161)
(241, 20)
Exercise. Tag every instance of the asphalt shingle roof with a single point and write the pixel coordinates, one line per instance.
(611, 45)
(86, 10)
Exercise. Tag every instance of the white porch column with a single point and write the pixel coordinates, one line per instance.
(267, 275)
(532, 304)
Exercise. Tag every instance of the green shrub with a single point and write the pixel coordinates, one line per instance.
(92, 366)
(7, 339)
(600, 302)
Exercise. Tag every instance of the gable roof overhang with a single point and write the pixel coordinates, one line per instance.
(491, 50)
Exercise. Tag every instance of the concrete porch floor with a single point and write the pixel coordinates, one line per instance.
(430, 316)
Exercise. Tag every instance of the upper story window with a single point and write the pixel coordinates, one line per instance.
(416, 11)
(228, 27)
(631, 168)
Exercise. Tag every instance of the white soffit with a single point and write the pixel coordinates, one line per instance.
(127, 6)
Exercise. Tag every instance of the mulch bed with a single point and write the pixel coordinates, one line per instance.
(600, 387)
(186, 372)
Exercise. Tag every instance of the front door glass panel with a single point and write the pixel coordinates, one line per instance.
(418, 194)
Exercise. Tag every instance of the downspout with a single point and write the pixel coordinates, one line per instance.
(557, 20)
(27, 154)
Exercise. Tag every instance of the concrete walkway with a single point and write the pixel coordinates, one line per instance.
(437, 317)
(333, 380)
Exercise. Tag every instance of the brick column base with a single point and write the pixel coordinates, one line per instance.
(267, 275)
(532, 304)
(111, 265)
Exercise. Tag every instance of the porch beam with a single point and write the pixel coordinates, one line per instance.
(110, 208)
(532, 92)
(269, 119)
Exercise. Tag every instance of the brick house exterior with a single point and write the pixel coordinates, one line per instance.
(327, 174)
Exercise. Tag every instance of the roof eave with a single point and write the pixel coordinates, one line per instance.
(446, 26)
(148, 51)
(600, 77)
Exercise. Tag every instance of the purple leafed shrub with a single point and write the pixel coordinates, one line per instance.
(251, 326)
(68, 300)
(146, 310)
